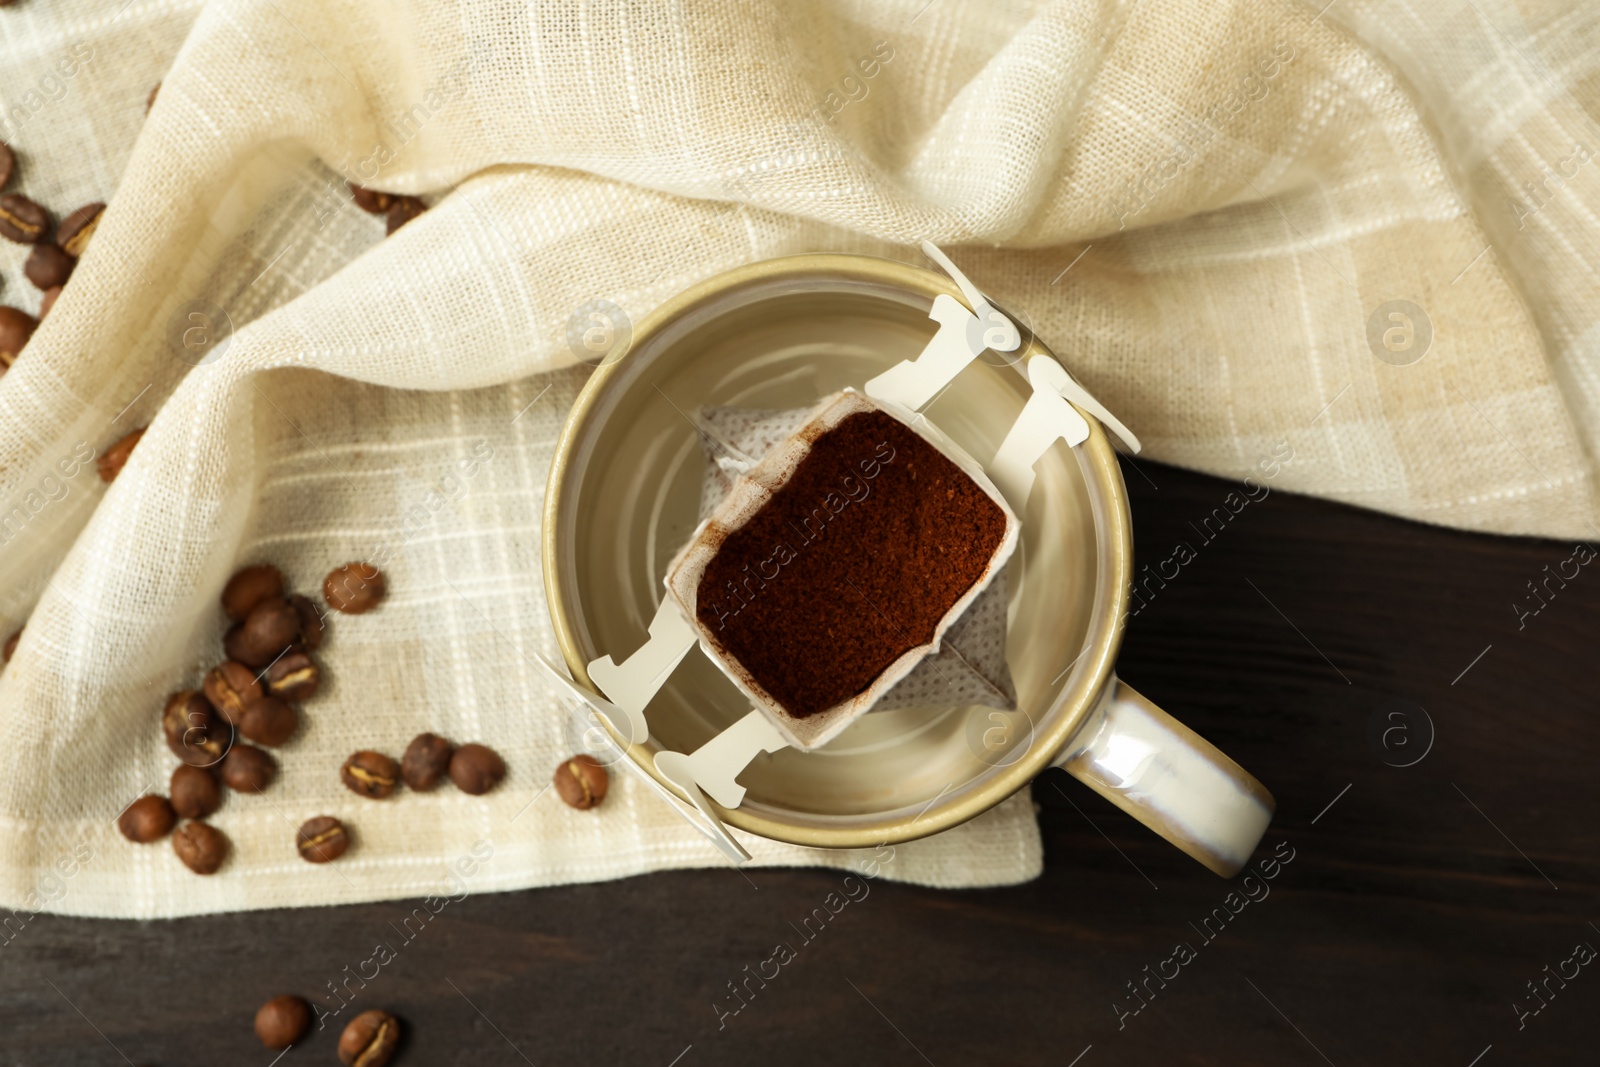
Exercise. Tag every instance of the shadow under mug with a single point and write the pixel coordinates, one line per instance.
(623, 497)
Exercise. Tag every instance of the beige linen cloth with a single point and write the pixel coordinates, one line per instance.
(1202, 205)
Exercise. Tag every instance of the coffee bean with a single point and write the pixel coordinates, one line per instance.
(113, 459)
(48, 301)
(193, 730)
(248, 769)
(426, 761)
(369, 1040)
(195, 792)
(322, 839)
(21, 220)
(48, 266)
(269, 721)
(77, 229)
(146, 819)
(353, 588)
(372, 201)
(293, 676)
(201, 847)
(11, 644)
(311, 625)
(272, 626)
(282, 1021)
(8, 164)
(582, 782)
(403, 210)
(16, 327)
(232, 688)
(476, 769)
(370, 774)
(249, 587)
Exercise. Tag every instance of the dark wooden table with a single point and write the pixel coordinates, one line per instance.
(1419, 903)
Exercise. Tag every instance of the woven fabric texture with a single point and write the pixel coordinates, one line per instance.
(1212, 209)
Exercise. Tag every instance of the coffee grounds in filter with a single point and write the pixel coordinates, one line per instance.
(852, 563)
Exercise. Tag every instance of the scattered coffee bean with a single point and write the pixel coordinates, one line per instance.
(16, 327)
(201, 847)
(232, 688)
(369, 1040)
(353, 588)
(427, 760)
(48, 266)
(77, 229)
(248, 769)
(113, 459)
(293, 676)
(193, 730)
(311, 624)
(146, 819)
(195, 792)
(403, 210)
(582, 782)
(250, 587)
(269, 721)
(8, 164)
(11, 644)
(322, 839)
(21, 220)
(372, 201)
(476, 769)
(282, 1021)
(236, 648)
(272, 626)
(48, 301)
(370, 774)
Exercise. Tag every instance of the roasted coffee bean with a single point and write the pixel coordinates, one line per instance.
(48, 266)
(146, 819)
(476, 769)
(193, 730)
(8, 164)
(353, 588)
(11, 644)
(113, 459)
(282, 1021)
(15, 328)
(369, 1040)
(48, 301)
(370, 774)
(250, 587)
(322, 839)
(269, 721)
(201, 847)
(232, 687)
(272, 626)
(195, 792)
(427, 760)
(77, 229)
(403, 210)
(582, 782)
(21, 220)
(236, 648)
(248, 769)
(293, 676)
(372, 201)
(311, 624)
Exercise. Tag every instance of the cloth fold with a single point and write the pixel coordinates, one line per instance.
(1211, 210)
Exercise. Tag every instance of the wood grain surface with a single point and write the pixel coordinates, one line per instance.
(1317, 644)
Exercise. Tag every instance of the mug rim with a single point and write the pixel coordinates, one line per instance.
(1071, 709)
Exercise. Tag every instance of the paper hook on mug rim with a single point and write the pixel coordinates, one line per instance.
(1003, 335)
(630, 728)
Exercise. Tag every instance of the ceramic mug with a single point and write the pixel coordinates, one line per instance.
(623, 497)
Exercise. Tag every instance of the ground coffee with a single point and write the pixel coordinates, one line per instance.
(851, 564)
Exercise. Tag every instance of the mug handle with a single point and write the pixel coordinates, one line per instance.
(1171, 779)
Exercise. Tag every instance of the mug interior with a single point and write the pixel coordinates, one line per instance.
(624, 497)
